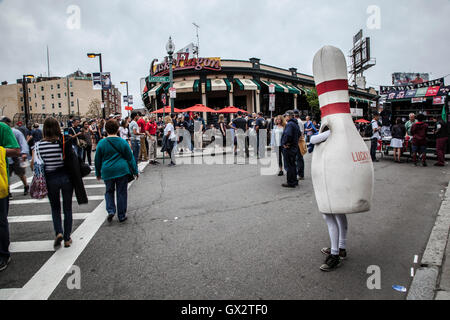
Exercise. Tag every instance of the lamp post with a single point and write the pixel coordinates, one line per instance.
(25, 96)
(128, 97)
(92, 56)
(170, 47)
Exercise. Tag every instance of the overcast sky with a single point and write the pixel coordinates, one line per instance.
(413, 35)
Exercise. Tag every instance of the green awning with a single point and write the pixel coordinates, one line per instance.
(293, 89)
(240, 84)
(227, 82)
(208, 85)
(197, 86)
(278, 88)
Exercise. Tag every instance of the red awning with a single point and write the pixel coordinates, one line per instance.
(231, 109)
(167, 110)
(199, 108)
(362, 121)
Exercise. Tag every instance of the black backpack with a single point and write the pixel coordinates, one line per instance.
(368, 131)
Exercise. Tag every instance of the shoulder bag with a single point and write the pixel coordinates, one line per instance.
(130, 176)
(38, 188)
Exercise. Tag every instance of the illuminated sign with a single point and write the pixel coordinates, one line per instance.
(183, 62)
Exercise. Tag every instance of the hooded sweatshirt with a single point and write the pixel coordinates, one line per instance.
(419, 132)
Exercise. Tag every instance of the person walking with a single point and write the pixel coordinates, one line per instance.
(419, 141)
(223, 130)
(375, 136)
(398, 134)
(87, 135)
(124, 131)
(289, 141)
(143, 153)
(9, 147)
(299, 160)
(275, 141)
(75, 133)
(115, 164)
(58, 180)
(441, 133)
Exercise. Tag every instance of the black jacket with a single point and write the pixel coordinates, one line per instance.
(72, 165)
(291, 134)
(443, 131)
(398, 131)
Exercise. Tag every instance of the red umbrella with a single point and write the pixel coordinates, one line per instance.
(167, 110)
(199, 108)
(362, 121)
(231, 109)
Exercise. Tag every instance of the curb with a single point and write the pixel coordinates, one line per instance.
(425, 282)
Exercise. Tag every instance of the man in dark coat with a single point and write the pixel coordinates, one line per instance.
(441, 133)
(289, 141)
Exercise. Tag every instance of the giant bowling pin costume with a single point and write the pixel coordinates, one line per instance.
(342, 169)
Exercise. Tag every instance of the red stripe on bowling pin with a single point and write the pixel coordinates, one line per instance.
(330, 87)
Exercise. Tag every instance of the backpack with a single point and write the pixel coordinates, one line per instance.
(368, 131)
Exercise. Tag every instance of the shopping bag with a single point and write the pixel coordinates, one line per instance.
(38, 188)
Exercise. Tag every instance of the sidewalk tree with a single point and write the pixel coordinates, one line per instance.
(313, 101)
(94, 110)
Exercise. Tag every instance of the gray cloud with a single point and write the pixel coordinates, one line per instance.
(284, 33)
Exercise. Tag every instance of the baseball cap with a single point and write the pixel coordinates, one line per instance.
(289, 113)
(5, 119)
(19, 123)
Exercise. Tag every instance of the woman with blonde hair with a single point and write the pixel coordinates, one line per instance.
(223, 129)
(277, 133)
(169, 140)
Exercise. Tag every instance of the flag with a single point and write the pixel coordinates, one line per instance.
(444, 114)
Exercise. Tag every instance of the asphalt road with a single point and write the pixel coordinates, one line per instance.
(228, 232)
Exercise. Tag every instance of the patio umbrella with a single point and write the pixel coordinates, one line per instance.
(199, 108)
(167, 110)
(362, 121)
(231, 109)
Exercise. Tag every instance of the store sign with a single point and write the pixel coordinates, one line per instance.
(272, 102)
(417, 100)
(432, 91)
(130, 99)
(387, 89)
(400, 95)
(421, 92)
(355, 112)
(173, 93)
(183, 62)
(410, 93)
(97, 81)
(439, 100)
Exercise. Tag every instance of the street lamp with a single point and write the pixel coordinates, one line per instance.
(170, 47)
(128, 97)
(93, 56)
(25, 95)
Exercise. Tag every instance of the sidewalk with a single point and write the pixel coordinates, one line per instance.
(432, 279)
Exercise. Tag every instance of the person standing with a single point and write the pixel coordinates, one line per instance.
(9, 147)
(398, 134)
(375, 136)
(289, 141)
(58, 180)
(275, 141)
(441, 133)
(419, 141)
(223, 129)
(115, 163)
(299, 160)
(260, 124)
(309, 129)
(151, 129)
(143, 153)
(240, 126)
(170, 140)
(135, 136)
(75, 133)
(408, 125)
(124, 132)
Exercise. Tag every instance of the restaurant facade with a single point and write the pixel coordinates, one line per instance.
(219, 83)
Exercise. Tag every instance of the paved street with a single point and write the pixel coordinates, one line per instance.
(228, 232)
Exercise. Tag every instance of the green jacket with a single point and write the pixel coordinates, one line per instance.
(110, 164)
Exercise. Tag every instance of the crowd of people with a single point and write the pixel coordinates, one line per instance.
(411, 137)
(120, 144)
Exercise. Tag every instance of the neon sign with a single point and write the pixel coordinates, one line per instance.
(182, 62)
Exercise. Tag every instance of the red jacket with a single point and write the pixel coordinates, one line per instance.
(419, 132)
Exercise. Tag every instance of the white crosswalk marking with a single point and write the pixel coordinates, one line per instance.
(31, 246)
(91, 186)
(45, 200)
(43, 218)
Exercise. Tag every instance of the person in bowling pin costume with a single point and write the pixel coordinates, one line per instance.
(341, 168)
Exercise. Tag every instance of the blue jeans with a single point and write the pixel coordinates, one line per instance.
(136, 147)
(59, 182)
(4, 229)
(120, 187)
(300, 164)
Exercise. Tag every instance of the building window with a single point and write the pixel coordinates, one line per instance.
(59, 105)
(35, 86)
(35, 96)
(22, 108)
(71, 84)
(59, 95)
(65, 94)
(21, 99)
(43, 106)
(71, 103)
(43, 98)
(30, 108)
(42, 88)
(58, 86)
(53, 106)
(71, 94)
(60, 113)
(20, 89)
(29, 99)
(29, 90)
(53, 96)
